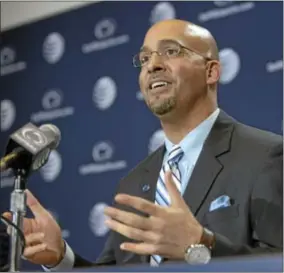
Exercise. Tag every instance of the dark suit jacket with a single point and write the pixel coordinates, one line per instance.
(242, 162)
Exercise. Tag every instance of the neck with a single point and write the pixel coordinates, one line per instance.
(177, 127)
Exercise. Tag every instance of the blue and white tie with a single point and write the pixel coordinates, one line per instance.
(162, 196)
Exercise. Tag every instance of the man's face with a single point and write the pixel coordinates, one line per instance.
(175, 80)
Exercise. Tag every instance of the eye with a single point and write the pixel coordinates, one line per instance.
(171, 52)
(144, 58)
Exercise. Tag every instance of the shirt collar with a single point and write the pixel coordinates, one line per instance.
(197, 136)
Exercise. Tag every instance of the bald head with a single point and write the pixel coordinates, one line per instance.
(187, 33)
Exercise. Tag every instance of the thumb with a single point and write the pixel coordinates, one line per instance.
(174, 193)
(37, 209)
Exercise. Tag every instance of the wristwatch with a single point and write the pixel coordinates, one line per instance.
(197, 254)
(201, 253)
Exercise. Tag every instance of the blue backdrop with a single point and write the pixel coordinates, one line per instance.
(75, 70)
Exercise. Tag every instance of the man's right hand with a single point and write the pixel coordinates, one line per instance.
(44, 242)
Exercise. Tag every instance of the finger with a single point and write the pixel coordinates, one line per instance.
(146, 249)
(37, 209)
(174, 193)
(32, 250)
(139, 204)
(26, 225)
(34, 238)
(128, 218)
(7, 215)
(130, 232)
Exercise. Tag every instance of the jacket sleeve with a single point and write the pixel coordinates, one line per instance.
(106, 257)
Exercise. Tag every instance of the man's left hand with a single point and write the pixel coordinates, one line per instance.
(168, 231)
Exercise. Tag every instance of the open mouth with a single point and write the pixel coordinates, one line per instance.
(158, 84)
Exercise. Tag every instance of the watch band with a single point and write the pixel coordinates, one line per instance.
(208, 238)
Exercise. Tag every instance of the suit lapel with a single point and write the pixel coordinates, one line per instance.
(208, 167)
(150, 174)
(148, 177)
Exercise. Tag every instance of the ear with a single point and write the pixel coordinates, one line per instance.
(213, 72)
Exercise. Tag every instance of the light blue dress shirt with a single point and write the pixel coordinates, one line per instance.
(192, 145)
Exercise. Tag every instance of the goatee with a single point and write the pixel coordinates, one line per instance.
(164, 107)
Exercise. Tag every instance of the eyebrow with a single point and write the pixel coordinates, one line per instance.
(146, 48)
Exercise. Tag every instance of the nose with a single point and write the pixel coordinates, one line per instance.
(155, 64)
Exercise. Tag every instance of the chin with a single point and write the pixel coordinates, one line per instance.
(163, 108)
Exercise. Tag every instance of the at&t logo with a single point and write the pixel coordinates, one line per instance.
(53, 47)
(139, 95)
(156, 140)
(104, 93)
(8, 114)
(231, 65)
(51, 170)
(97, 220)
(104, 32)
(102, 153)
(162, 11)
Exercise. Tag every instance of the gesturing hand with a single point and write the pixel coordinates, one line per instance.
(168, 231)
(44, 243)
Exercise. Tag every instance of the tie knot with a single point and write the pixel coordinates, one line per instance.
(175, 154)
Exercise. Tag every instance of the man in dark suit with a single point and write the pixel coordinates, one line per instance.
(214, 189)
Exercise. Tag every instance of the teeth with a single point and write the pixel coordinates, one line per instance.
(158, 84)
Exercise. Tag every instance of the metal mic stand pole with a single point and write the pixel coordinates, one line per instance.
(18, 209)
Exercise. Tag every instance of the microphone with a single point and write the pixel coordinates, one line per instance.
(28, 150)
(29, 147)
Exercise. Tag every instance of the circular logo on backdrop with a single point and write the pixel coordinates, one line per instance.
(52, 99)
(52, 168)
(230, 62)
(97, 220)
(8, 114)
(104, 93)
(53, 47)
(102, 151)
(8, 56)
(162, 11)
(105, 28)
(157, 139)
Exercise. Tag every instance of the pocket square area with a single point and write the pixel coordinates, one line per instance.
(220, 202)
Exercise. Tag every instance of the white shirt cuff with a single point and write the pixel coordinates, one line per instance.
(67, 263)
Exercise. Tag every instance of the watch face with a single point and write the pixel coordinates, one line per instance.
(198, 255)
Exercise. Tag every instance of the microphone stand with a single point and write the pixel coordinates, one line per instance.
(18, 209)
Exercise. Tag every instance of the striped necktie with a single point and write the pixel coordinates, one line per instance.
(162, 196)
